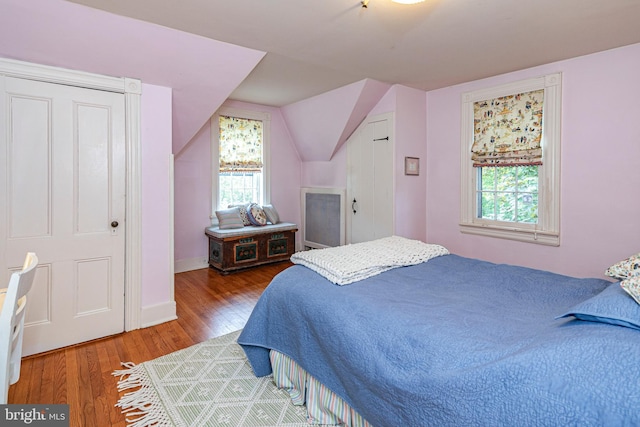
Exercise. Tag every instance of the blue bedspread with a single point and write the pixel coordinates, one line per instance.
(453, 342)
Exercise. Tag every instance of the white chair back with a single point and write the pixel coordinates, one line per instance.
(12, 323)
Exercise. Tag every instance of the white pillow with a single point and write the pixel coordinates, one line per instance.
(243, 212)
(272, 214)
(229, 218)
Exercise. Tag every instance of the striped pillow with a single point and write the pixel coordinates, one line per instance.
(229, 218)
(243, 212)
(272, 214)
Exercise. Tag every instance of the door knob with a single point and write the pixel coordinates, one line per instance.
(114, 224)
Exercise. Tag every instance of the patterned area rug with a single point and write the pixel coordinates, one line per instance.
(208, 384)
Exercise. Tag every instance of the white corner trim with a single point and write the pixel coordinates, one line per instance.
(518, 234)
(172, 244)
(133, 257)
(156, 314)
(45, 73)
(182, 265)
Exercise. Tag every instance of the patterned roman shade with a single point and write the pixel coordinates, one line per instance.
(240, 145)
(508, 130)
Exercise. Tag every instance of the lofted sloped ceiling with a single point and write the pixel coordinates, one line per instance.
(321, 124)
(202, 72)
(64, 34)
(283, 53)
(315, 47)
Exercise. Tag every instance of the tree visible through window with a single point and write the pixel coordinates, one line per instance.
(507, 151)
(510, 170)
(508, 194)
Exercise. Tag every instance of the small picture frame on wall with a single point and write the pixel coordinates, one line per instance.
(411, 166)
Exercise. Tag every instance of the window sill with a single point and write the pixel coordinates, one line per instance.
(511, 233)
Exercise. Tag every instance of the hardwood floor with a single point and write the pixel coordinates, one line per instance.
(208, 305)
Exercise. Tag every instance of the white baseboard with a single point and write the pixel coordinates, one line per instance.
(182, 265)
(159, 313)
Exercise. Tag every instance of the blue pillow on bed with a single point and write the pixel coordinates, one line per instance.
(613, 305)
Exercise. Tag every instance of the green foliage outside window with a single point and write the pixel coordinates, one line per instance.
(508, 193)
(239, 188)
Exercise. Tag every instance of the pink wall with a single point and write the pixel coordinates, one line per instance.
(600, 207)
(69, 35)
(317, 124)
(193, 183)
(332, 173)
(408, 106)
(156, 201)
(410, 191)
(192, 199)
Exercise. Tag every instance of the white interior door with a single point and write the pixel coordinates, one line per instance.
(62, 187)
(370, 157)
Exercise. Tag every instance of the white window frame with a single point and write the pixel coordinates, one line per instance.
(215, 153)
(547, 230)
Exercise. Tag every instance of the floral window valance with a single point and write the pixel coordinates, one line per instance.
(508, 130)
(240, 144)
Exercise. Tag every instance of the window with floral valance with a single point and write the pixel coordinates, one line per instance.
(240, 157)
(508, 130)
(240, 144)
(510, 152)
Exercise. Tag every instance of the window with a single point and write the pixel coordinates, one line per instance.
(510, 161)
(240, 148)
(508, 194)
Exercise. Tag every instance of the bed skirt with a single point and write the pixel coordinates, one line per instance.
(324, 407)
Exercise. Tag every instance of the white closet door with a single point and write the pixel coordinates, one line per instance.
(62, 187)
(370, 185)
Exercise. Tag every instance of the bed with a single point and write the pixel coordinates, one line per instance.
(452, 341)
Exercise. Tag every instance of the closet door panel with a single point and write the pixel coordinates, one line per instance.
(63, 192)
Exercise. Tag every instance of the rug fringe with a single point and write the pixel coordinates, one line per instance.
(142, 407)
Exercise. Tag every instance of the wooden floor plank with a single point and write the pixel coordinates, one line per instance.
(85, 382)
(47, 383)
(20, 394)
(74, 389)
(35, 383)
(59, 363)
(208, 305)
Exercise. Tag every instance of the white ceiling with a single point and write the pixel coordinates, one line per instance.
(316, 46)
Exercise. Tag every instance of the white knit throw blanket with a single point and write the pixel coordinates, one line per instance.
(347, 264)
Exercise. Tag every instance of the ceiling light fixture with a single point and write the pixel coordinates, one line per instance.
(365, 3)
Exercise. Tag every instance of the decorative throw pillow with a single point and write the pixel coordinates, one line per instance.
(243, 212)
(229, 218)
(256, 215)
(632, 287)
(272, 214)
(626, 268)
(612, 306)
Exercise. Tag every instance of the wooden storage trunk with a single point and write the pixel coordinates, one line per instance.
(238, 248)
